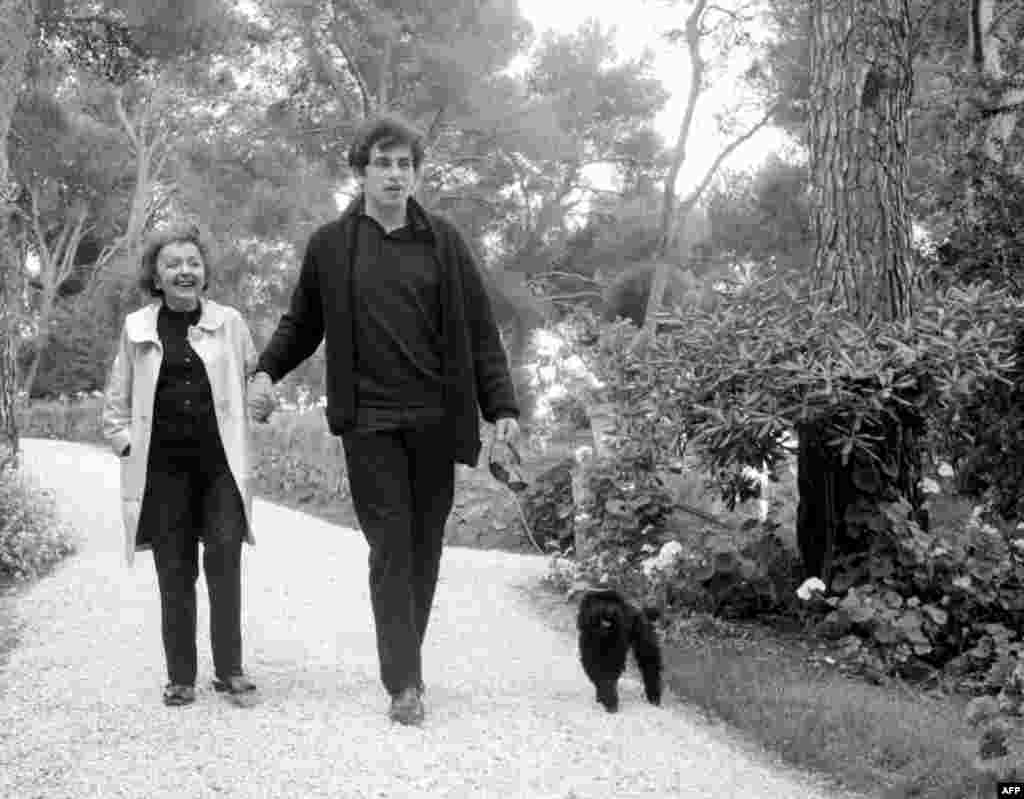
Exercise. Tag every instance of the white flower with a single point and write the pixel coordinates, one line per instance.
(1018, 544)
(583, 454)
(809, 587)
(670, 551)
(929, 486)
(945, 470)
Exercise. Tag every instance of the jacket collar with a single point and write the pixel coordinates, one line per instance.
(141, 324)
(419, 219)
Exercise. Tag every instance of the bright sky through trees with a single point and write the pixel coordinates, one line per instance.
(639, 24)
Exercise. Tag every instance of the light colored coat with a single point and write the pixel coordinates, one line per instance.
(223, 341)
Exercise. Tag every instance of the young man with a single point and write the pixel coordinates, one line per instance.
(412, 351)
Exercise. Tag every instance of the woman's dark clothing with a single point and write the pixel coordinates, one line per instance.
(183, 415)
(191, 496)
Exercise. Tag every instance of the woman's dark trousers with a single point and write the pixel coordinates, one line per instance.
(192, 497)
(402, 484)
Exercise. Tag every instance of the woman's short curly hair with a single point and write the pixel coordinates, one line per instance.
(386, 130)
(157, 240)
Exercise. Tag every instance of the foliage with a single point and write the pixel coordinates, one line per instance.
(735, 381)
(32, 538)
(987, 446)
(85, 331)
(623, 519)
(548, 506)
(764, 217)
(628, 519)
(985, 243)
(949, 599)
(294, 456)
(71, 418)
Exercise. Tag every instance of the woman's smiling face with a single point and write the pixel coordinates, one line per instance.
(180, 274)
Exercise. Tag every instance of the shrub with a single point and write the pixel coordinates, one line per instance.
(296, 456)
(734, 381)
(32, 539)
(629, 518)
(69, 420)
(951, 599)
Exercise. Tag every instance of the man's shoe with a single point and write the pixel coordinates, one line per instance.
(176, 695)
(239, 690)
(407, 707)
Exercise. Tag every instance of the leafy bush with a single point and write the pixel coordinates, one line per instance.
(949, 599)
(736, 576)
(734, 381)
(629, 518)
(32, 539)
(295, 456)
(70, 420)
(548, 506)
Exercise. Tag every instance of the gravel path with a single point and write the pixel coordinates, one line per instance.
(509, 712)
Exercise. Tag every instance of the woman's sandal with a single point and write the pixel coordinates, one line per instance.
(240, 690)
(178, 695)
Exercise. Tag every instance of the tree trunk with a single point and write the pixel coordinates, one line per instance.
(17, 24)
(11, 271)
(861, 86)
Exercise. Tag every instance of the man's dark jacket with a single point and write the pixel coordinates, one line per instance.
(475, 366)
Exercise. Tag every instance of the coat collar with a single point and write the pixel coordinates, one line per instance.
(141, 324)
(419, 219)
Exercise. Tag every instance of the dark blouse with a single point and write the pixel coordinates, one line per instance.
(184, 421)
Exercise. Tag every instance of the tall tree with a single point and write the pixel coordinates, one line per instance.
(861, 88)
(17, 30)
(91, 139)
(861, 85)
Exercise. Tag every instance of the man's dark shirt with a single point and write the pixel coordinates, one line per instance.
(399, 352)
(323, 309)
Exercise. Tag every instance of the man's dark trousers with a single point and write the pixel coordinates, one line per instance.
(402, 482)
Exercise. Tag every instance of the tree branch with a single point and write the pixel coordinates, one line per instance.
(695, 194)
(693, 37)
(340, 40)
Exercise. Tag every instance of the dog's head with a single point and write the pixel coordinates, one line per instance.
(603, 612)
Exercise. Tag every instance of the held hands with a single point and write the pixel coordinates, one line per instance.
(506, 430)
(260, 398)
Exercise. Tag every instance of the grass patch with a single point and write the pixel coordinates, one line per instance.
(779, 691)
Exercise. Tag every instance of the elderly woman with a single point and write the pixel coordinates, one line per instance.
(175, 412)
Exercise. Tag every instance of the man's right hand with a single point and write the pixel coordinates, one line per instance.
(260, 397)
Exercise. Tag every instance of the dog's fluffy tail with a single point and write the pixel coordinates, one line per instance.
(647, 652)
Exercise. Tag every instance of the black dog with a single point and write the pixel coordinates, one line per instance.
(609, 627)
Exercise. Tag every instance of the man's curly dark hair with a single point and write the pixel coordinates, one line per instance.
(386, 130)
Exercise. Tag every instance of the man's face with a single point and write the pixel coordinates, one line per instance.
(390, 178)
